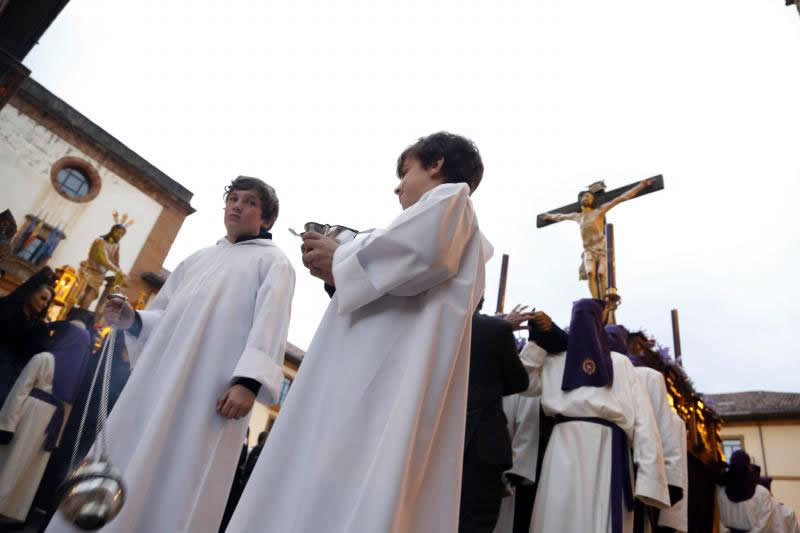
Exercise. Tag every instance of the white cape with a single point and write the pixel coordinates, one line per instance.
(573, 491)
(223, 313)
(22, 461)
(371, 436)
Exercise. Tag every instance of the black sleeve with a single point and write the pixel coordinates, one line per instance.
(136, 328)
(253, 385)
(553, 341)
(330, 289)
(675, 494)
(515, 379)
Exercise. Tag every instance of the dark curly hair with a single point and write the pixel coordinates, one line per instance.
(266, 193)
(461, 160)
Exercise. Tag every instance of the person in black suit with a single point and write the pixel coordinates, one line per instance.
(495, 371)
(255, 453)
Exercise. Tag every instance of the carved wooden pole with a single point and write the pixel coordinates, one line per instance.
(676, 337)
(501, 292)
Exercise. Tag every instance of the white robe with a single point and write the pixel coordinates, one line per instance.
(23, 461)
(573, 491)
(677, 516)
(371, 436)
(759, 514)
(522, 413)
(223, 313)
(653, 381)
(656, 388)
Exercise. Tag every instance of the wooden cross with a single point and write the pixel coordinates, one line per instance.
(601, 197)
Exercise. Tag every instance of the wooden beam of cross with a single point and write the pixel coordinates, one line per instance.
(602, 198)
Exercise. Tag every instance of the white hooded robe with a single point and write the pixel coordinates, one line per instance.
(371, 436)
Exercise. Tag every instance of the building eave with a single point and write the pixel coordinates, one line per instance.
(52, 106)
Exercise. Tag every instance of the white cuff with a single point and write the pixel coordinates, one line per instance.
(353, 287)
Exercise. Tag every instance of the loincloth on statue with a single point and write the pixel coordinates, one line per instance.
(93, 276)
(594, 260)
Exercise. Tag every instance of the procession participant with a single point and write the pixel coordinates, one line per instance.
(33, 415)
(744, 505)
(522, 413)
(392, 356)
(495, 371)
(23, 331)
(677, 516)
(600, 406)
(213, 338)
(646, 518)
(29, 423)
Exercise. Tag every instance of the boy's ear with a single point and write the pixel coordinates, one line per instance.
(436, 168)
(267, 224)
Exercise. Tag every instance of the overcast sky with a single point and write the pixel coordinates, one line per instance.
(318, 98)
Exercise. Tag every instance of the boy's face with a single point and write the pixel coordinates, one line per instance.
(415, 180)
(242, 214)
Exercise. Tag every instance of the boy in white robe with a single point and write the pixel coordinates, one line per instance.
(212, 340)
(371, 437)
(600, 406)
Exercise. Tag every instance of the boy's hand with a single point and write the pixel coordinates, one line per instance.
(236, 402)
(119, 313)
(318, 253)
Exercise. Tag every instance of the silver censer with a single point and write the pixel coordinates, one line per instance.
(93, 494)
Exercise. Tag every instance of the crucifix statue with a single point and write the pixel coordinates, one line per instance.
(589, 212)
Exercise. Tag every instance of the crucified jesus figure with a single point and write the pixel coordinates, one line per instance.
(592, 222)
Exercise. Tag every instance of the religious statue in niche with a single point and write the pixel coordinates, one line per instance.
(591, 219)
(103, 259)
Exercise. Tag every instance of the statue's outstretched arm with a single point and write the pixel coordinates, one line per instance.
(606, 207)
(558, 217)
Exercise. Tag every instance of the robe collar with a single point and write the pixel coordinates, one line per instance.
(588, 361)
(264, 238)
(263, 234)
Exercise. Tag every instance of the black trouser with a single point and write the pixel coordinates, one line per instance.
(524, 498)
(481, 496)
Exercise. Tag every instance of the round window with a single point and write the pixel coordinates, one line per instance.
(75, 179)
(73, 183)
